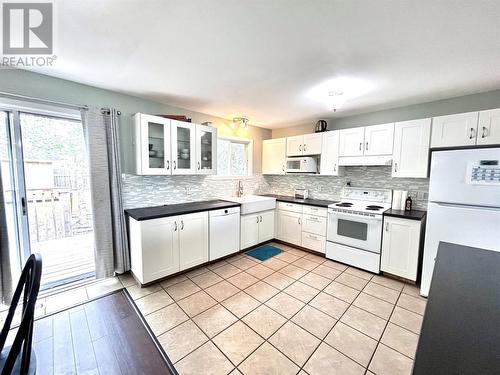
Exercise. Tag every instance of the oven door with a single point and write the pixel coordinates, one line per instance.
(363, 232)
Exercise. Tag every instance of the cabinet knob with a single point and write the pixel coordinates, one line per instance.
(168, 164)
(360, 145)
(304, 146)
(387, 227)
(300, 147)
(366, 146)
(182, 224)
(175, 165)
(395, 167)
(175, 226)
(257, 219)
(335, 167)
(199, 166)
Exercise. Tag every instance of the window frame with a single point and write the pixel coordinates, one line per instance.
(249, 151)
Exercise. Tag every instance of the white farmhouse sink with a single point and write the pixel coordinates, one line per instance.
(253, 203)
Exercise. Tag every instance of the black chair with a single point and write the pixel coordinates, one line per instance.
(19, 358)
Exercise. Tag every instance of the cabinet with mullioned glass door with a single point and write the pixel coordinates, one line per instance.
(206, 149)
(152, 143)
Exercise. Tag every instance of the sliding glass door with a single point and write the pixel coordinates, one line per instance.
(51, 204)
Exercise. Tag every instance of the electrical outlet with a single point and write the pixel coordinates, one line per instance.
(188, 190)
(420, 195)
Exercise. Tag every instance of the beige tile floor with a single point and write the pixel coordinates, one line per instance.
(295, 313)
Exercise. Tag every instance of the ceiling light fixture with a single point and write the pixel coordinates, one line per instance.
(335, 100)
(241, 122)
(335, 92)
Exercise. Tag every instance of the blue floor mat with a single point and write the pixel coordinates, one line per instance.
(264, 252)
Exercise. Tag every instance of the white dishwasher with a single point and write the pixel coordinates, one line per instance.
(224, 232)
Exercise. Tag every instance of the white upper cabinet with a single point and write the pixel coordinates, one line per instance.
(183, 147)
(330, 154)
(411, 148)
(379, 139)
(294, 145)
(152, 144)
(488, 131)
(206, 150)
(312, 144)
(307, 144)
(273, 156)
(454, 130)
(351, 141)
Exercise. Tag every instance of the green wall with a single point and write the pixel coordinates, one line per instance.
(468, 103)
(45, 87)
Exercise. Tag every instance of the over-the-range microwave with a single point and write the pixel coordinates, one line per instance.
(301, 165)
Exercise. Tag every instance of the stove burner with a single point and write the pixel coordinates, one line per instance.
(373, 208)
(344, 204)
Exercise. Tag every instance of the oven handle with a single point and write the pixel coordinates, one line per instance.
(340, 215)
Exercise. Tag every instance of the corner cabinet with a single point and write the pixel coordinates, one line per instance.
(401, 245)
(152, 145)
(273, 156)
(411, 148)
(165, 146)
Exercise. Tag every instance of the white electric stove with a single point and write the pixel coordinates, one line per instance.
(354, 234)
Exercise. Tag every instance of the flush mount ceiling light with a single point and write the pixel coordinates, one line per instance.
(241, 122)
(335, 92)
(335, 100)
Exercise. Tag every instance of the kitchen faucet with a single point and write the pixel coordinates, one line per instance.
(240, 189)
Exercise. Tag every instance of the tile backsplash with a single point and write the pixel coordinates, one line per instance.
(143, 191)
(325, 187)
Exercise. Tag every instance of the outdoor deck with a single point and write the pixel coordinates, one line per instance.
(66, 257)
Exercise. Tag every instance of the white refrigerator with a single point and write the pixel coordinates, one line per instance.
(464, 203)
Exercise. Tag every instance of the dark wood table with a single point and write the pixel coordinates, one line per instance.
(461, 328)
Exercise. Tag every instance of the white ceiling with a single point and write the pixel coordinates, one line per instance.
(260, 58)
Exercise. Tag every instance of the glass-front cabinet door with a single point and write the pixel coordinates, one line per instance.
(183, 147)
(206, 149)
(152, 145)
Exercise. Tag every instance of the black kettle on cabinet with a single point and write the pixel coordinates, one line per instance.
(321, 126)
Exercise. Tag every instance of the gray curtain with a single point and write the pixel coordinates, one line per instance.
(6, 282)
(111, 245)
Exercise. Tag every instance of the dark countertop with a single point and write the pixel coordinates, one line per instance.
(460, 332)
(156, 212)
(412, 215)
(308, 201)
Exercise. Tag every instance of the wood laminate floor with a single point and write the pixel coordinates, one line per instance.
(105, 336)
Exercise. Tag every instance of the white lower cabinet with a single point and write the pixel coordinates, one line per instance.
(193, 239)
(164, 246)
(256, 228)
(302, 225)
(314, 242)
(401, 247)
(290, 227)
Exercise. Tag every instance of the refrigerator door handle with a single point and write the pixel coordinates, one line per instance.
(465, 206)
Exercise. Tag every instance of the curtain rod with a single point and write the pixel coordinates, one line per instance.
(41, 101)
